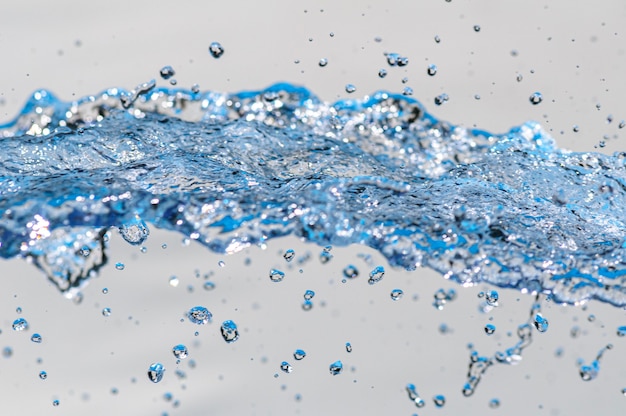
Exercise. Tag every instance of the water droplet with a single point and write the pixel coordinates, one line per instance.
(199, 315)
(286, 367)
(407, 91)
(216, 50)
(540, 323)
(519, 77)
(307, 305)
(440, 400)
(382, 73)
(376, 275)
(437, 39)
(412, 392)
(476, 28)
(441, 98)
(119, 266)
(7, 352)
(36, 338)
(442, 297)
(43, 375)
(621, 124)
(323, 62)
(208, 285)
(135, 232)
(535, 98)
(308, 295)
(494, 403)
(55, 403)
(299, 354)
(490, 329)
(180, 351)
(105, 290)
(350, 271)
(492, 297)
(591, 318)
(167, 72)
(476, 96)
(350, 88)
(195, 88)
(276, 275)
(332, 34)
(229, 331)
(221, 263)
(18, 310)
(336, 368)
(432, 70)
(325, 257)
(20, 324)
(624, 391)
(575, 128)
(621, 331)
(396, 294)
(164, 246)
(155, 372)
(348, 347)
(106, 312)
(289, 255)
(173, 281)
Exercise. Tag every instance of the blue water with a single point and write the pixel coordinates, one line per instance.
(234, 170)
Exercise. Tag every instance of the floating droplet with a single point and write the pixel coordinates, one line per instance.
(494, 403)
(432, 70)
(199, 315)
(396, 294)
(216, 50)
(106, 312)
(540, 323)
(307, 305)
(286, 367)
(276, 275)
(437, 39)
(105, 290)
(7, 352)
(440, 400)
(55, 403)
(180, 351)
(382, 73)
(350, 271)
(325, 257)
(135, 232)
(348, 347)
(621, 331)
(289, 255)
(208, 285)
(43, 375)
(229, 331)
(36, 338)
(119, 266)
(535, 98)
(575, 128)
(20, 324)
(299, 354)
(476, 28)
(350, 88)
(323, 62)
(221, 263)
(336, 368)
(376, 275)
(167, 72)
(308, 295)
(407, 91)
(490, 329)
(492, 297)
(412, 392)
(441, 98)
(155, 372)
(195, 88)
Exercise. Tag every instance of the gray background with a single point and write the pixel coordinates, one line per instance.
(571, 51)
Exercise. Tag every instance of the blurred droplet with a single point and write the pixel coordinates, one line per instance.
(323, 62)
(199, 315)
(376, 275)
(155, 372)
(216, 50)
(167, 72)
(350, 88)
(289, 255)
(276, 275)
(396, 294)
(432, 70)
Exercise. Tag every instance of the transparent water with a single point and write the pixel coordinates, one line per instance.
(235, 171)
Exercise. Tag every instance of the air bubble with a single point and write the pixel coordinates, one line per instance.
(229, 331)
(535, 98)
(20, 324)
(350, 88)
(289, 255)
(276, 275)
(155, 372)
(376, 275)
(336, 368)
(396, 294)
(180, 351)
(199, 315)
(432, 70)
(167, 72)
(216, 50)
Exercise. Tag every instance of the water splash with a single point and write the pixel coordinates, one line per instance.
(233, 170)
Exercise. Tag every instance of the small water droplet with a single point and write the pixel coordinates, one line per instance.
(348, 347)
(437, 39)
(36, 338)
(350, 88)
(476, 96)
(208, 285)
(180, 351)
(155, 372)
(105, 290)
(490, 329)
(412, 392)
(299, 354)
(441, 98)
(18, 310)
(229, 331)
(494, 403)
(540, 323)
(336, 368)
(350, 271)
(199, 315)
(591, 318)
(43, 375)
(7, 352)
(307, 305)
(440, 400)
(432, 70)
(276, 275)
(621, 331)
(119, 266)
(164, 246)
(382, 73)
(323, 62)
(308, 295)
(221, 263)
(535, 98)
(621, 124)
(289, 255)
(106, 312)
(286, 367)
(195, 88)
(376, 275)
(55, 403)
(332, 34)
(167, 72)
(519, 77)
(396, 294)
(173, 281)
(325, 256)
(575, 128)
(476, 28)
(492, 297)
(20, 324)
(407, 91)
(216, 50)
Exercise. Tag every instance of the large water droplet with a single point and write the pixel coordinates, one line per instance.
(216, 50)
(43, 375)
(229, 331)
(540, 323)
(336, 368)
(376, 275)
(155, 372)
(535, 98)
(199, 315)
(180, 351)
(20, 324)
(135, 232)
(276, 275)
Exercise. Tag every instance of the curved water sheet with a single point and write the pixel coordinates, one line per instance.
(233, 170)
